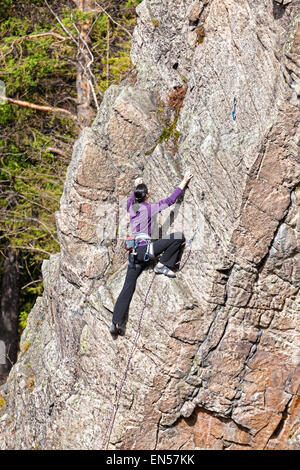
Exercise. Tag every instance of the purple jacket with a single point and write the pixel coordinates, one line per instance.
(142, 220)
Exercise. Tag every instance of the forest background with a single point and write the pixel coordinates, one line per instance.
(57, 58)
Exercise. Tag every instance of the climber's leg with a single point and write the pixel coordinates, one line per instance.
(124, 299)
(170, 247)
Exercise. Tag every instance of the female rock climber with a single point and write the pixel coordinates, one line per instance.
(142, 222)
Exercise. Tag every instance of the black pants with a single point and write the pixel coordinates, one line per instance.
(170, 246)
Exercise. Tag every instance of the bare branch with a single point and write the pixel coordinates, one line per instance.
(31, 282)
(92, 27)
(34, 36)
(51, 109)
(78, 45)
(61, 24)
(7, 356)
(114, 21)
(88, 67)
(84, 42)
(57, 151)
(31, 248)
(46, 33)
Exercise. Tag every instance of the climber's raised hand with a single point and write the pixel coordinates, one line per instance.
(138, 181)
(187, 178)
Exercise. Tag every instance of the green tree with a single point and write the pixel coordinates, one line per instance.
(56, 60)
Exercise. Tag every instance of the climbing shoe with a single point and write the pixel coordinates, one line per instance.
(113, 329)
(164, 270)
(158, 270)
(116, 329)
(121, 330)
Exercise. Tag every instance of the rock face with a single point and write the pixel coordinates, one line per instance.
(217, 360)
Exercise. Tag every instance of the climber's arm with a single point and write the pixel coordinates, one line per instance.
(165, 203)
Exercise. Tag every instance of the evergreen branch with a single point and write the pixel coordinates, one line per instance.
(36, 203)
(40, 222)
(42, 176)
(45, 227)
(14, 232)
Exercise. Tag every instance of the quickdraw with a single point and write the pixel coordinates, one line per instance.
(234, 109)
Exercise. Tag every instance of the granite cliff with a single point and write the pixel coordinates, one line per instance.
(217, 359)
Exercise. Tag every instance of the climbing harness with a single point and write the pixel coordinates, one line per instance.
(110, 422)
(234, 109)
(149, 255)
(131, 244)
(150, 249)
